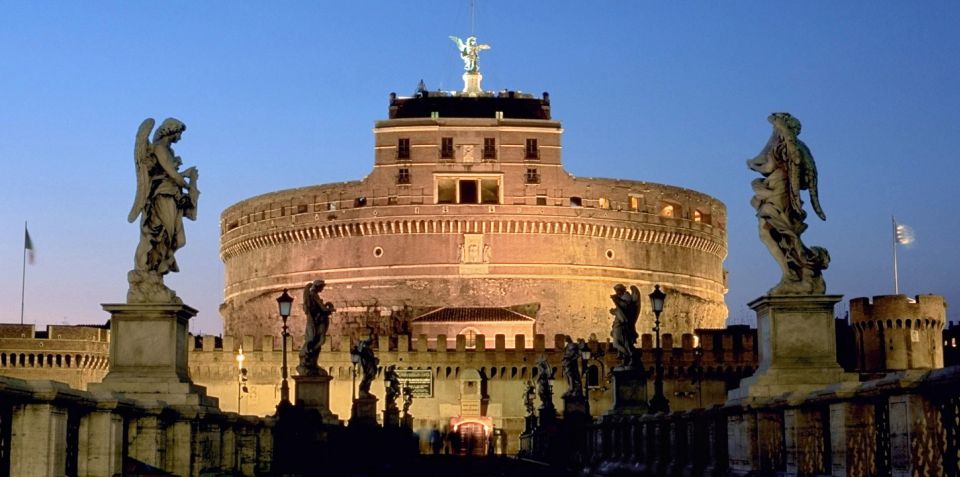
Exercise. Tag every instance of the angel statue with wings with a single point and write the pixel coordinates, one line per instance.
(165, 195)
(787, 168)
(470, 53)
(625, 313)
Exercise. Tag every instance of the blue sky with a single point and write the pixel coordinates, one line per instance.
(286, 95)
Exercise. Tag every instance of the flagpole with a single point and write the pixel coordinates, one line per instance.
(23, 278)
(896, 278)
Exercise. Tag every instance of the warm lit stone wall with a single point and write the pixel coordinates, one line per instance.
(566, 259)
(550, 238)
(693, 377)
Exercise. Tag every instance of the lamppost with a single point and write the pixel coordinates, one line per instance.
(698, 357)
(585, 372)
(284, 302)
(659, 402)
(241, 377)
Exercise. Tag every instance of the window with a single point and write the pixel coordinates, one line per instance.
(576, 202)
(541, 199)
(471, 335)
(532, 151)
(403, 148)
(446, 191)
(532, 177)
(701, 217)
(489, 191)
(489, 148)
(669, 210)
(603, 203)
(403, 176)
(446, 148)
(635, 201)
(468, 190)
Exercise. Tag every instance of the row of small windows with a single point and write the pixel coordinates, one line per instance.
(482, 190)
(531, 148)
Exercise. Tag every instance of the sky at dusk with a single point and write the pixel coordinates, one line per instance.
(281, 95)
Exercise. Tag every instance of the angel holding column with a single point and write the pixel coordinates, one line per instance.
(165, 195)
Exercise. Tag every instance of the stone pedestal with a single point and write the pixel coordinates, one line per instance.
(575, 407)
(797, 345)
(391, 418)
(471, 83)
(364, 411)
(149, 346)
(313, 393)
(629, 392)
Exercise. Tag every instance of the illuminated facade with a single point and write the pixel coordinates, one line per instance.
(468, 205)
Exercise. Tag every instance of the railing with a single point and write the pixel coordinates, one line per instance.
(48, 428)
(903, 425)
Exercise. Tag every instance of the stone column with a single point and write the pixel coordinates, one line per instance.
(804, 442)
(916, 436)
(101, 442)
(38, 440)
(742, 447)
(228, 444)
(180, 441)
(146, 439)
(853, 439)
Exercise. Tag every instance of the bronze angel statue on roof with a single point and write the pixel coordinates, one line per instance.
(787, 168)
(165, 195)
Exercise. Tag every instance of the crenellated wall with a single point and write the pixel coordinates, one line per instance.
(694, 375)
(75, 355)
(894, 332)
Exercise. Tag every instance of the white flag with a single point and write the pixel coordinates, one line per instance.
(904, 235)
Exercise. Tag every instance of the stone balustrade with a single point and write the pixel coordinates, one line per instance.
(905, 424)
(50, 429)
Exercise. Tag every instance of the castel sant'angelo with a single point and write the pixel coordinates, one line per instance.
(468, 219)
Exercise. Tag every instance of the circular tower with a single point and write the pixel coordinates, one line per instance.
(895, 332)
(468, 205)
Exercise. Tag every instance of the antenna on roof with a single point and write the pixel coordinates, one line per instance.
(473, 18)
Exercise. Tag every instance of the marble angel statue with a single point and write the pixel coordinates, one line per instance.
(787, 167)
(165, 195)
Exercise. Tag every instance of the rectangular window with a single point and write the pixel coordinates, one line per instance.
(468, 191)
(489, 191)
(603, 203)
(446, 148)
(635, 202)
(403, 176)
(541, 200)
(531, 151)
(533, 177)
(403, 148)
(446, 191)
(489, 148)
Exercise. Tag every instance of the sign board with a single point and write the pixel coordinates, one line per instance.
(420, 381)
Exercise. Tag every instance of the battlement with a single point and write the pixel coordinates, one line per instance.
(55, 332)
(710, 347)
(893, 332)
(899, 311)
